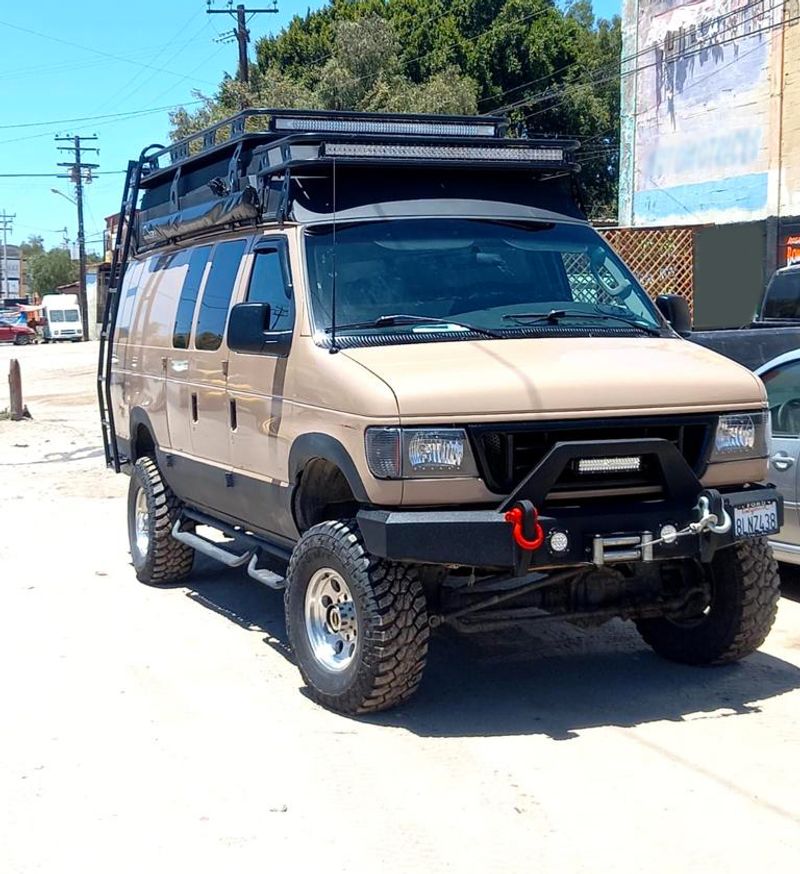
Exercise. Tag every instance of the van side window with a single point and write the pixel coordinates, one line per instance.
(269, 283)
(217, 294)
(130, 286)
(189, 292)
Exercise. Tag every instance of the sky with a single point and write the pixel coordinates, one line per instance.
(108, 72)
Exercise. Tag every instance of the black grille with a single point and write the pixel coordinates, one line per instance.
(508, 453)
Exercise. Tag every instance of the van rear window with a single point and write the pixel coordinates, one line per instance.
(217, 294)
(189, 292)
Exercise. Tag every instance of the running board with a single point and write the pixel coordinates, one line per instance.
(210, 549)
(265, 577)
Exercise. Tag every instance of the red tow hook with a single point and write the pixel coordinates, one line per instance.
(516, 518)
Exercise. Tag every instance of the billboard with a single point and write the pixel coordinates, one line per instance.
(699, 110)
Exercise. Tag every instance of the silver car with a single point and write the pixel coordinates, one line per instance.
(781, 376)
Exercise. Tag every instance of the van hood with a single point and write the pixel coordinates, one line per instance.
(545, 377)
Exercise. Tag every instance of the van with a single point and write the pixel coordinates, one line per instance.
(385, 364)
(61, 318)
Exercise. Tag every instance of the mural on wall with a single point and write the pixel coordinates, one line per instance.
(702, 110)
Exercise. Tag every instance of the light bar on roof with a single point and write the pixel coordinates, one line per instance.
(309, 124)
(445, 153)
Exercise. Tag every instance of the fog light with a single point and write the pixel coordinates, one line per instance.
(559, 542)
(625, 464)
(669, 533)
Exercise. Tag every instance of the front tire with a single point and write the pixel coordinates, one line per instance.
(745, 588)
(22, 340)
(159, 559)
(358, 625)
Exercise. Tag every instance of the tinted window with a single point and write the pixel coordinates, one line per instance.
(783, 389)
(269, 283)
(191, 286)
(782, 300)
(217, 294)
(130, 287)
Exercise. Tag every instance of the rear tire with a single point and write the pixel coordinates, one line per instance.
(22, 340)
(358, 625)
(745, 588)
(153, 509)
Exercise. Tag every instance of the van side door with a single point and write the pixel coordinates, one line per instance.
(208, 362)
(194, 263)
(259, 450)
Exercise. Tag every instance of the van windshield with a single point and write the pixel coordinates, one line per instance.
(488, 274)
(55, 315)
(72, 315)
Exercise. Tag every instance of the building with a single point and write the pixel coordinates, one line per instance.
(710, 139)
(13, 260)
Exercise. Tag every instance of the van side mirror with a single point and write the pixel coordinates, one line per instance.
(248, 331)
(676, 311)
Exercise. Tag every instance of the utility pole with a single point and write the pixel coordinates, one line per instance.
(241, 33)
(6, 221)
(77, 166)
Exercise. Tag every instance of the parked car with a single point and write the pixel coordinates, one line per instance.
(389, 357)
(61, 318)
(775, 330)
(781, 376)
(18, 334)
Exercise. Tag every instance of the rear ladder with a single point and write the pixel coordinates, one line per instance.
(119, 260)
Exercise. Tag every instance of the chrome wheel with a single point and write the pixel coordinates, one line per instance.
(331, 620)
(141, 524)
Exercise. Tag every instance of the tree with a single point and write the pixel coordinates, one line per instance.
(552, 71)
(50, 269)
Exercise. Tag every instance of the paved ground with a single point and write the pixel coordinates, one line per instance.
(162, 731)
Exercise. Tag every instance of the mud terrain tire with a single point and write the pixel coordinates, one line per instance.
(745, 588)
(385, 664)
(160, 560)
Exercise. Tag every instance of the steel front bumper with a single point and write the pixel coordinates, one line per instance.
(599, 533)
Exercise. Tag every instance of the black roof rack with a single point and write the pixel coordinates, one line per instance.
(241, 169)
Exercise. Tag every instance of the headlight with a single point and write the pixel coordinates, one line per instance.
(422, 453)
(740, 436)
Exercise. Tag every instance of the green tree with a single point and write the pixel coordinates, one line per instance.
(551, 70)
(50, 269)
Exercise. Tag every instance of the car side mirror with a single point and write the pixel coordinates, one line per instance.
(676, 311)
(248, 331)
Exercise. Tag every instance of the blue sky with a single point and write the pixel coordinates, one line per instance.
(57, 67)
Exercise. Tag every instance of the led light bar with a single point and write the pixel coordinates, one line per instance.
(623, 464)
(444, 153)
(367, 126)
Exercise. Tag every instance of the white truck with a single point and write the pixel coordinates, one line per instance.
(61, 317)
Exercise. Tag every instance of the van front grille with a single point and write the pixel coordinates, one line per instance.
(508, 453)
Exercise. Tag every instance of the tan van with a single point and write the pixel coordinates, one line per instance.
(390, 363)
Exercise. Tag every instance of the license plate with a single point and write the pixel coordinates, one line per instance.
(756, 520)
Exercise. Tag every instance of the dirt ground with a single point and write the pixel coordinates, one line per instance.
(149, 730)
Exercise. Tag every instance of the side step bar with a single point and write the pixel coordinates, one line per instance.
(229, 559)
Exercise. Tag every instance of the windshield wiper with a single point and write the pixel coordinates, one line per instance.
(400, 319)
(554, 317)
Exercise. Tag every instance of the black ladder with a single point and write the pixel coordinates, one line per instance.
(119, 260)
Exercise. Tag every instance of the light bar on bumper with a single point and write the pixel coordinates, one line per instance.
(741, 436)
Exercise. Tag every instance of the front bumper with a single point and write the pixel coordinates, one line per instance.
(483, 538)
(597, 532)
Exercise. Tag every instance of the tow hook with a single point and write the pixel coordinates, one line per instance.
(525, 516)
(527, 532)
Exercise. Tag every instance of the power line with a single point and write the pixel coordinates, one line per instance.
(94, 51)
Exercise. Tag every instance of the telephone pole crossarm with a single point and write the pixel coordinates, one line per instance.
(242, 33)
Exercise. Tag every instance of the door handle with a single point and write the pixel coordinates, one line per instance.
(782, 462)
(194, 407)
